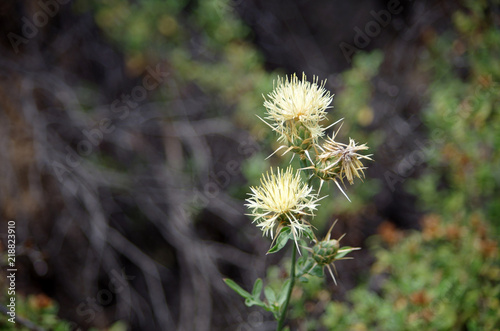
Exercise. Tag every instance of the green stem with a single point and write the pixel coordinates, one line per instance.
(289, 292)
(304, 164)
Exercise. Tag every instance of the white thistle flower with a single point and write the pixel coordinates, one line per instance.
(282, 200)
(298, 103)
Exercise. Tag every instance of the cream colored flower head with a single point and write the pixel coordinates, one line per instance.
(282, 200)
(346, 157)
(294, 102)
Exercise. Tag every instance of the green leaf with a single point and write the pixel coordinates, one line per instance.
(309, 233)
(283, 292)
(257, 288)
(317, 271)
(304, 266)
(300, 262)
(276, 313)
(270, 296)
(303, 280)
(281, 240)
(235, 287)
(249, 302)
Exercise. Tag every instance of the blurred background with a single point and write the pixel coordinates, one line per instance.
(128, 142)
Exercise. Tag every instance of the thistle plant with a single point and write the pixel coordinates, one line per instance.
(283, 205)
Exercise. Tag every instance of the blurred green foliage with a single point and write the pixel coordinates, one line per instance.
(463, 118)
(41, 311)
(37, 309)
(445, 278)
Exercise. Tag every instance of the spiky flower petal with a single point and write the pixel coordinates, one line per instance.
(281, 200)
(295, 109)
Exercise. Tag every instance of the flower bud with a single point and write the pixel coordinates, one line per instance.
(325, 252)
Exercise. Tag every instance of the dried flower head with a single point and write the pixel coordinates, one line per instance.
(282, 200)
(296, 107)
(346, 157)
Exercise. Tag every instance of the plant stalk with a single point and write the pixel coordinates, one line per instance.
(304, 164)
(281, 322)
